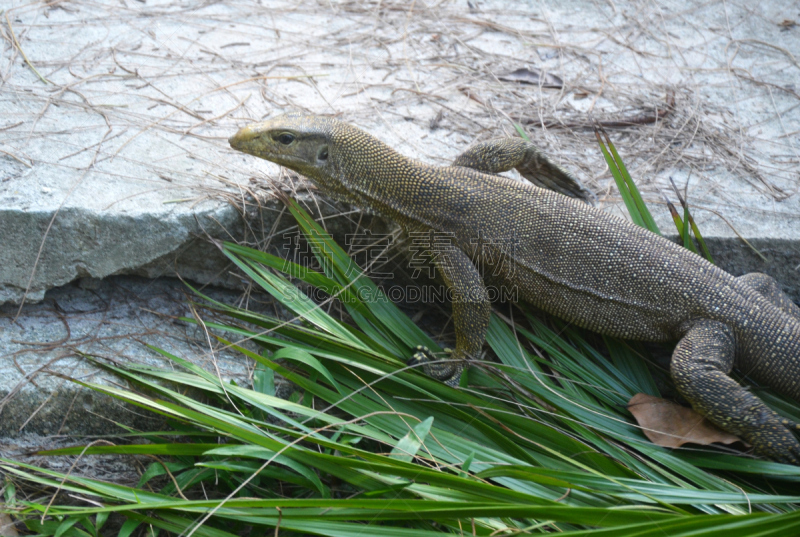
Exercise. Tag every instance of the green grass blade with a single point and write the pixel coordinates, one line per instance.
(408, 446)
(687, 236)
(699, 237)
(641, 208)
(622, 186)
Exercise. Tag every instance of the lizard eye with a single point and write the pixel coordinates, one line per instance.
(322, 154)
(285, 138)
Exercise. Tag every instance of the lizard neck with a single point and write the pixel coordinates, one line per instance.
(375, 177)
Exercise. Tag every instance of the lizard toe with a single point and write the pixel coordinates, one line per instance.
(776, 441)
(445, 370)
(422, 355)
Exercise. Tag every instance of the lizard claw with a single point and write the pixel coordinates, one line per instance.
(446, 371)
(422, 354)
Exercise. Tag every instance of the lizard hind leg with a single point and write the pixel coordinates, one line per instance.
(501, 155)
(767, 287)
(700, 367)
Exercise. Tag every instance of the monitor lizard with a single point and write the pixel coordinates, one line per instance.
(565, 257)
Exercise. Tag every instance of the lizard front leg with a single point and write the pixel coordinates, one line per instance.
(496, 156)
(471, 311)
(700, 367)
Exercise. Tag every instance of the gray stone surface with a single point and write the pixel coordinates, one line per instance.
(109, 319)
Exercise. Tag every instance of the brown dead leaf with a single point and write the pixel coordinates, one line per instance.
(671, 425)
(787, 23)
(534, 77)
(7, 528)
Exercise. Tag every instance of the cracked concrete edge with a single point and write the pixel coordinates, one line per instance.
(84, 243)
(91, 244)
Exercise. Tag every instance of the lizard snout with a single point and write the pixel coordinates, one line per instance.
(245, 134)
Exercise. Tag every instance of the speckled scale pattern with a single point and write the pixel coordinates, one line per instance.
(564, 256)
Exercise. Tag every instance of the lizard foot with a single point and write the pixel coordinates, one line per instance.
(773, 438)
(446, 371)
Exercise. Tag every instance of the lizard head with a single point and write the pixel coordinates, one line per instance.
(345, 162)
(300, 143)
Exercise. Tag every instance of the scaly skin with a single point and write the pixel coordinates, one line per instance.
(565, 257)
